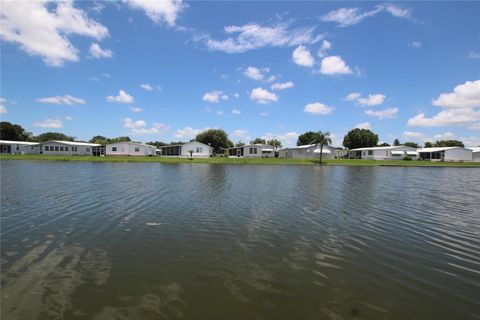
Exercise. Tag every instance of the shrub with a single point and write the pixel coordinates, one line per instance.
(407, 158)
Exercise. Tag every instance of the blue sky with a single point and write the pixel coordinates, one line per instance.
(165, 70)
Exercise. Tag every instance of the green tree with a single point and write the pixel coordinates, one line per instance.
(360, 138)
(396, 142)
(428, 145)
(120, 139)
(99, 140)
(157, 144)
(321, 138)
(216, 138)
(306, 138)
(239, 144)
(258, 141)
(384, 145)
(449, 143)
(277, 144)
(13, 132)
(47, 136)
(411, 144)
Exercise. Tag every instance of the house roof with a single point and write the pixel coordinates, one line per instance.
(381, 148)
(179, 145)
(27, 143)
(74, 143)
(133, 143)
(475, 149)
(437, 149)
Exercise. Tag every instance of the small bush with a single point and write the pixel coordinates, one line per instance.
(407, 158)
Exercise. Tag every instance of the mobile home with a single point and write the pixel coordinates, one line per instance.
(197, 149)
(383, 153)
(446, 154)
(309, 151)
(19, 147)
(475, 154)
(68, 148)
(130, 149)
(252, 151)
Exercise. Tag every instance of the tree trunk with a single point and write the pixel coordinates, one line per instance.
(321, 152)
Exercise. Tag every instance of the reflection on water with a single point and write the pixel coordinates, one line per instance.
(153, 241)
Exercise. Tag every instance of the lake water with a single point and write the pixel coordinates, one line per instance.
(194, 241)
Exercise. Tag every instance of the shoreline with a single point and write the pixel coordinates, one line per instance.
(244, 161)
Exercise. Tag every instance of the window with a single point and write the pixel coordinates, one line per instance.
(56, 148)
(18, 148)
(66, 148)
(87, 149)
(199, 150)
(114, 149)
(47, 148)
(255, 150)
(137, 149)
(61, 148)
(370, 152)
(251, 150)
(364, 153)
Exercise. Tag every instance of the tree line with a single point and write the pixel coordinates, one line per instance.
(218, 139)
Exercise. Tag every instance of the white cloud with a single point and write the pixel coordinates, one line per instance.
(122, 97)
(415, 44)
(422, 138)
(140, 127)
(159, 11)
(345, 17)
(334, 65)
(388, 113)
(236, 95)
(372, 100)
(288, 139)
(236, 111)
(413, 135)
(241, 134)
(146, 87)
(97, 52)
(466, 95)
(271, 78)
(49, 123)
(263, 114)
(225, 97)
(66, 99)
(220, 113)
(318, 108)
(135, 109)
(302, 56)
(444, 136)
(68, 118)
(3, 109)
(450, 117)
(187, 132)
(255, 36)
(213, 96)
(254, 73)
(353, 96)
(364, 125)
(282, 86)
(42, 28)
(129, 123)
(474, 55)
(262, 96)
(322, 52)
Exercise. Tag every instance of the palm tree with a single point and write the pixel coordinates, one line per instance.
(322, 138)
(276, 144)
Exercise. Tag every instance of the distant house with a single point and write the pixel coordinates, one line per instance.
(252, 151)
(199, 150)
(19, 147)
(383, 153)
(69, 148)
(308, 151)
(475, 154)
(130, 149)
(446, 154)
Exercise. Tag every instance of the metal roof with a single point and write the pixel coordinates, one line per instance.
(74, 143)
(132, 143)
(437, 149)
(27, 143)
(380, 148)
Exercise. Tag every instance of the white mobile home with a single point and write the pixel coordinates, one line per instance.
(309, 151)
(130, 149)
(68, 148)
(198, 149)
(383, 153)
(19, 147)
(475, 154)
(446, 154)
(253, 151)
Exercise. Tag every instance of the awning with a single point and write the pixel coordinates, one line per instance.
(267, 150)
(326, 151)
(412, 153)
(396, 152)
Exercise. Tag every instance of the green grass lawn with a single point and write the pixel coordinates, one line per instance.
(221, 160)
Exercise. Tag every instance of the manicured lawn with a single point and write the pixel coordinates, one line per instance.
(221, 160)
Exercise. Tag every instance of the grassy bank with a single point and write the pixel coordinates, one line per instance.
(221, 160)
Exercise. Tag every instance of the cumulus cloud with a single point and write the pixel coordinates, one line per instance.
(68, 118)
(241, 134)
(460, 107)
(415, 44)
(135, 109)
(49, 123)
(474, 55)
(345, 17)
(66, 99)
(322, 52)
(188, 132)
(262, 96)
(214, 96)
(122, 97)
(43, 28)
(140, 127)
(318, 108)
(146, 87)
(363, 125)
(353, 96)
(282, 85)
(236, 111)
(3, 109)
(254, 73)
(97, 52)
(302, 56)
(334, 65)
(388, 113)
(159, 11)
(372, 100)
(220, 113)
(253, 36)
(421, 137)
(287, 139)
